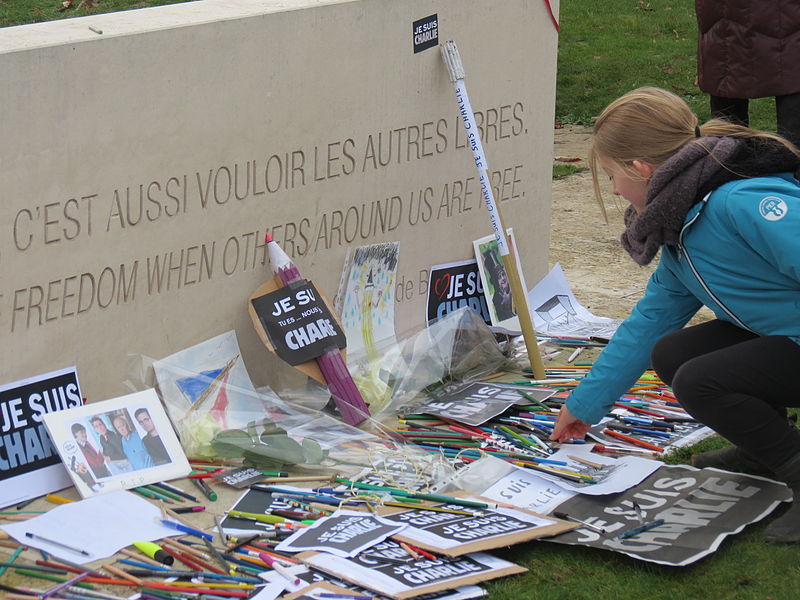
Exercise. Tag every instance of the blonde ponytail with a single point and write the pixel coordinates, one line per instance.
(650, 124)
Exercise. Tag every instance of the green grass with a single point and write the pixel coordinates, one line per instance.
(743, 568)
(20, 12)
(606, 48)
(561, 170)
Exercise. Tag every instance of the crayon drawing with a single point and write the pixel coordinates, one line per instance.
(207, 386)
(368, 306)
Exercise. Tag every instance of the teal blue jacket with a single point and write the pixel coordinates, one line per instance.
(738, 254)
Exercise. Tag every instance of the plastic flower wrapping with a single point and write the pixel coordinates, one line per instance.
(219, 415)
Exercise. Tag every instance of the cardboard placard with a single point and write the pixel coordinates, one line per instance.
(299, 324)
(312, 592)
(700, 508)
(344, 533)
(453, 286)
(309, 367)
(485, 529)
(415, 577)
(29, 463)
(473, 403)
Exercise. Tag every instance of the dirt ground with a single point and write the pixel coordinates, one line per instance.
(602, 275)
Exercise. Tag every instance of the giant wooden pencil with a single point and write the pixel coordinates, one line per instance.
(345, 393)
(455, 70)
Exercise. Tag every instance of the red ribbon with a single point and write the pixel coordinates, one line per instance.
(552, 15)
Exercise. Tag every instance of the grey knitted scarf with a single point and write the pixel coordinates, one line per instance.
(695, 170)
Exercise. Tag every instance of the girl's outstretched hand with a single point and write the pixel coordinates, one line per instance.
(568, 426)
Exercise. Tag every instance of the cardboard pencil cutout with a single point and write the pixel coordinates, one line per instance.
(295, 322)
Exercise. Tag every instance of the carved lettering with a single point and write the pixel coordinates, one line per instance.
(73, 295)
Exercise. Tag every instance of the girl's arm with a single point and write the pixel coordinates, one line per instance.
(666, 306)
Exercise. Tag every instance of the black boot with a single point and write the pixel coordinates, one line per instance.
(786, 528)
(731, 458)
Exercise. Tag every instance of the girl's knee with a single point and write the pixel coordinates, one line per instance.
(664, 360)
(688, 385)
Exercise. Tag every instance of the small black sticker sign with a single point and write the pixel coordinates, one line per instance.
(425, 33)
(454, 286)
(298, 322)
(473, 403)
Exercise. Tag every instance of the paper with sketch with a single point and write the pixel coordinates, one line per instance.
(555, 310)
(100, 526)
(205, 389)
(367, 312)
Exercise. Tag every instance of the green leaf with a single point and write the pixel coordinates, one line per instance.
(231, 443)
(312, 451)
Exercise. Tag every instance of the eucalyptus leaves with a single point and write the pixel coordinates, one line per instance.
(271, 448)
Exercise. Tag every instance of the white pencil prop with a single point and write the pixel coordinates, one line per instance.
(455, 70)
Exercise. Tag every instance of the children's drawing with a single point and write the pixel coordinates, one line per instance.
(201, 388)
(368, 306)
(206, 388)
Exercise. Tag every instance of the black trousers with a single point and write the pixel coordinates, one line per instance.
(737, 383)
(787, 110)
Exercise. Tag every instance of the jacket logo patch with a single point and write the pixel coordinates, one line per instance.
(773, 208)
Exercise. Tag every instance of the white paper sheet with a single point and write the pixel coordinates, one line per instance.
(555, 310)
(100, 525)
(618, 474)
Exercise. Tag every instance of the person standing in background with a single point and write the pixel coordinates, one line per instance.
(748, 49)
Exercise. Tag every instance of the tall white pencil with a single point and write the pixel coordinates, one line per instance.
(455, 70)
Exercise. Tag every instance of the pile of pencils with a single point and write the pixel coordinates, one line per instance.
(521, 434)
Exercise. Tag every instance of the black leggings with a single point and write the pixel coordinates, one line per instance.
(737, 383)
(787, 110)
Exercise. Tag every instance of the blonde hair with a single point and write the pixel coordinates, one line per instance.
(650, 124)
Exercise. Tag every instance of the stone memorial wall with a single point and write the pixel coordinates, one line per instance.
(142, 166)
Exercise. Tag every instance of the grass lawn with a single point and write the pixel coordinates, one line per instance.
(606, 48)
(19, 12)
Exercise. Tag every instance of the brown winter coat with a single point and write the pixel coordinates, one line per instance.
(748, 48)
